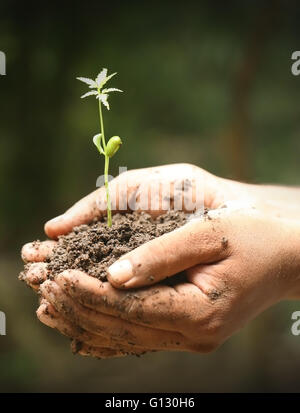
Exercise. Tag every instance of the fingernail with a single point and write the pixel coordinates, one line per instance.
(46, 319)
(121, 271)
(56, 219)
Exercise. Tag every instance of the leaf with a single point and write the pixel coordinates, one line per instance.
(88, 81)
(107, 79)
(97, 143)
(92, 92)
(103, 99)
(101, 77)
(111, 89)
(113, 146)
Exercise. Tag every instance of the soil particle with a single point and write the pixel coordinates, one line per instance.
(214, 295)
(36, 244)
(93, 248)
(76, 346)
(206, 214)
(224, 242)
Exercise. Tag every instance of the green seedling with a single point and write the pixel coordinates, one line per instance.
(108, 149)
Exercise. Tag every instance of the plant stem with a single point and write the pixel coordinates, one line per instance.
(101, 125)
(106, 167)
(109, 221)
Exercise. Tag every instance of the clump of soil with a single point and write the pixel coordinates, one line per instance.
(93, 248)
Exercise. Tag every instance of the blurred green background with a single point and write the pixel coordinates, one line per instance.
(205, 82)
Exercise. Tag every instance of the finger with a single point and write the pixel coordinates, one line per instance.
(34, 274)
(199, 241)
(206, 278)
(49, 316)
(124, 194)
(82, 212)
(109, 326)
(83, 349)
(37, 251)
(94, 205)
(161, 307)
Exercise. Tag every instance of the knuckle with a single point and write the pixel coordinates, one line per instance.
(187, 165)
(24, 252)
(37, 273)
(208, 326)
(129, 304)
(213, 328)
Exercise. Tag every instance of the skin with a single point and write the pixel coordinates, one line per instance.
(231, 276)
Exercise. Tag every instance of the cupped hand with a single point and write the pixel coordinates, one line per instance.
(183, 181)
(237, 262)
(125, 191)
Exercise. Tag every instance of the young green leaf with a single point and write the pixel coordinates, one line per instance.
(101, 77)
(97, 142)
(113, 145)
(111, 89)
(92, 92)
(103, 98)
(98, 83)
(104, 81)
(90, 82)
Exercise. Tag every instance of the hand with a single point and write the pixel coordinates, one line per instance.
(123, 189)
(216, 191)
(230, 278)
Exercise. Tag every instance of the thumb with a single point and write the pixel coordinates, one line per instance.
(93, 206)
(199, 241)
(83, 212)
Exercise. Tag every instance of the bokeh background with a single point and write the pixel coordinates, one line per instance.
(205, 82)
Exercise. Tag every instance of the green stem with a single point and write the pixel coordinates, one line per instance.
(101, 124)
(109, 221)
(106, 167)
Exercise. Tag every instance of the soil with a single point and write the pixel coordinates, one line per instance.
(93, 248)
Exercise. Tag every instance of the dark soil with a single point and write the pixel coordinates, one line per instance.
(93, 248)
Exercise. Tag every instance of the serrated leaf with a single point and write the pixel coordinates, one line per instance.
(107, 79)
(111, 89)
(101, 77)
(103, 99)
(97, 143)
(88, 81)
(92, 92)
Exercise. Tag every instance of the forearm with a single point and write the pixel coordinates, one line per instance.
(290, 271)
(279, 201)
(282, 200)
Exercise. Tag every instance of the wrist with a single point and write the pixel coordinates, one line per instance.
(279, 201)
(291, 275)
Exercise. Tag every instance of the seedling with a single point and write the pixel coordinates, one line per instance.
(107, 150)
